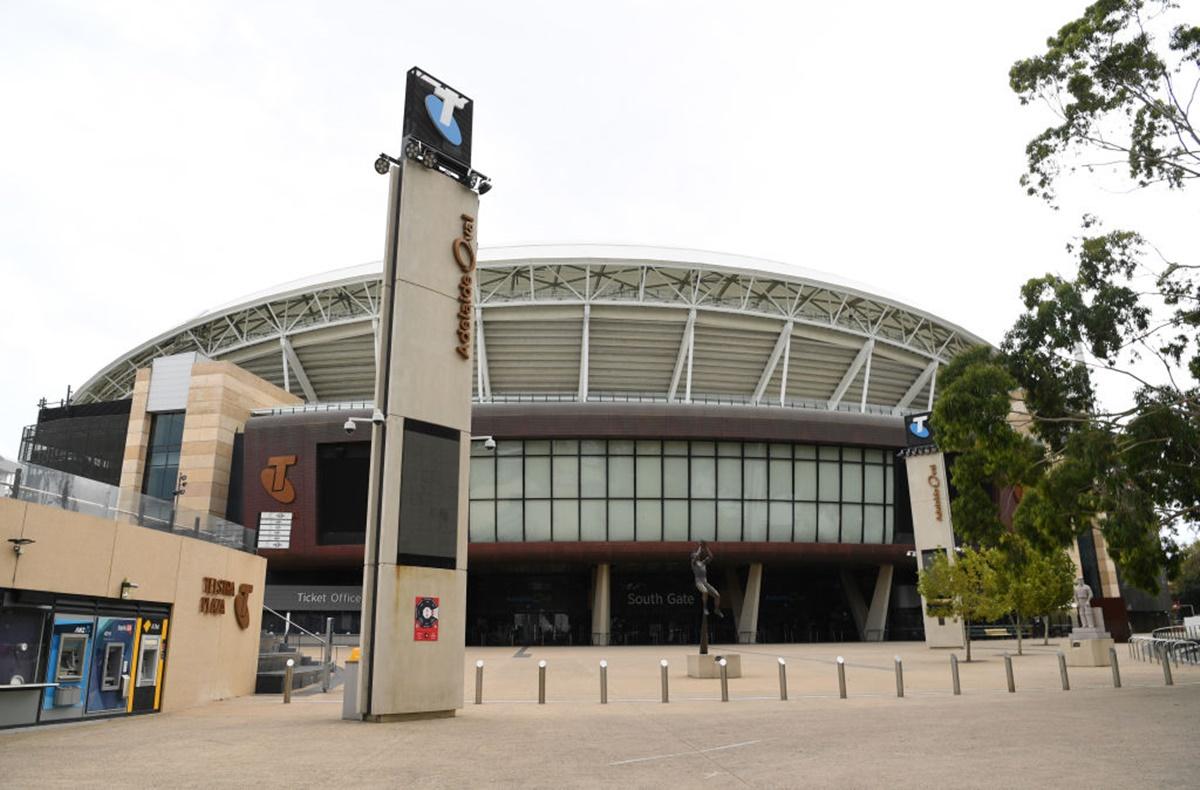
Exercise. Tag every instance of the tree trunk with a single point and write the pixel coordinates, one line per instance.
(1019, 651)
(1046, 630)
(967, 637)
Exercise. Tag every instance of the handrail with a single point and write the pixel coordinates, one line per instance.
(291, 624)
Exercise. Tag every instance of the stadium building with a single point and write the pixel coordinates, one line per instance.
(629, 402)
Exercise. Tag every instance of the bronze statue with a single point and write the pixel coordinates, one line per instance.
(700, 559)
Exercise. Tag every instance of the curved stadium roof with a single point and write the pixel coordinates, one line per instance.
(596, 322)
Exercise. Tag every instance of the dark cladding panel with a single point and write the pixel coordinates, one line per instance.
(428, 496)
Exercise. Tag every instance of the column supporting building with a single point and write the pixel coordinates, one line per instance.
(602, 604)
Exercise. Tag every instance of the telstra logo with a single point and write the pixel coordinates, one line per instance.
(918, 428)
(441, 105)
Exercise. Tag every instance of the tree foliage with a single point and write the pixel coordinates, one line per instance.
(1185, 586)
(1034, 582)
(1027, 419)
(1117, 92)
(970, 588)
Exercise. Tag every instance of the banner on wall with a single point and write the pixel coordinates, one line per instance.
(425, 628)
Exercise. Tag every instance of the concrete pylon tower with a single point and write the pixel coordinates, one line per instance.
(415, 565)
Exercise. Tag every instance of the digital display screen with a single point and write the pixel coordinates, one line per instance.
(428, 533)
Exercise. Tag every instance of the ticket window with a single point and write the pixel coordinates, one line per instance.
(71, 653)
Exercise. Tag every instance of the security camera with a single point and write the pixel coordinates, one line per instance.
(348, 426)
(489, 443)
(377, 417)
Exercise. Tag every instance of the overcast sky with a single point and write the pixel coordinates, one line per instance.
(158, 159)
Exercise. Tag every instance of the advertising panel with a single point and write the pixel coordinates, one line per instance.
(438, 116)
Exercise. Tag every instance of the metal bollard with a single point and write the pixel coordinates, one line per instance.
(724, 680)
(899, 677)
(783, 680)
(841, 665)
(663, 667)
(1062, 671)
(1116, 670)
(542, 682)
(1166, 665)
(479, 682)
(1012, 686)
(287, 682)
(603, 682)
(954, 675)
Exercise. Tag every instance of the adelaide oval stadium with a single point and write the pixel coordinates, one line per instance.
(629, 402)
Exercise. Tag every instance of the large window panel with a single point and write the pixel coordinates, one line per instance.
(754, 528)
(704, 478)
(828, 476)
(649, 519)
(852, 524)
(649, 477)
(806, 480)
(729, 520)
(779, 521)
(827, 522)
(729, 478)
(704, 519)
(483, 522)
(508, 521)
(852, 483)
(873, 527)
(483, 478)
(873, 483)
(675, 520)
(537, 520)
(592, 520)
(620, 519)
(754, 479)
(566, 519)
(566, 478)
(675, 478)
(781, 479)
(620, 477)
(537, 478)
(508, 478)
(806, 522)
(592, 476)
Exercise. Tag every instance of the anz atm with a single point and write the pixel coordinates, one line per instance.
(64, 658)
(103, 665)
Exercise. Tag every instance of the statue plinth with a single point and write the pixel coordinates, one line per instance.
(706, 666)
(1090, 644)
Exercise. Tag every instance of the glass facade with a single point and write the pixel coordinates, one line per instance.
(162, 457)
(649, 490)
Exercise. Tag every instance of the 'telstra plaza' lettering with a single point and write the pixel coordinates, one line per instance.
(464, 256)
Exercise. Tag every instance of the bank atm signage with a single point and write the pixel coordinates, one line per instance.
(438, 116)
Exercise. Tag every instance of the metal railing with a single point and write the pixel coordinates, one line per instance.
(50, 487)
(1155, 649)
(325, 642)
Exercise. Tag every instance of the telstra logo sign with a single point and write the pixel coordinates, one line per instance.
(918, 427)
(441, 105)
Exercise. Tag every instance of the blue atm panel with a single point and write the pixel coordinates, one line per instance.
(69, 665)
(112, 653)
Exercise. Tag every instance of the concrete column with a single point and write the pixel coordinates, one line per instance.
(747, 622)
(602, 604)
(877, 615)
(858, 607)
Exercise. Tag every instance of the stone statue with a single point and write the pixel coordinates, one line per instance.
(700, 559)
(1083, 604)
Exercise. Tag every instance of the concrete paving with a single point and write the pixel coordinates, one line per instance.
(1091, 736)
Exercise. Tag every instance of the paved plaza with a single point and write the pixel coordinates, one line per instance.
(1091, 736)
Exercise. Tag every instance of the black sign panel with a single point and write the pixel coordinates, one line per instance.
(428, 495)
(917, 429)
(438, 116)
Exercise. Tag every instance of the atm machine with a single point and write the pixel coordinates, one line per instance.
(112, 659)
(69, 665)
(151, 649)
